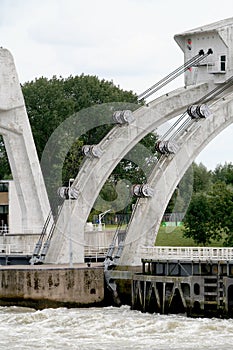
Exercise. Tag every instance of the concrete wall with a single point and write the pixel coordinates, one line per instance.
(10, 198)
(25, 243)
(51, 287)
(15, 215)
(20, 244)
(99, 239)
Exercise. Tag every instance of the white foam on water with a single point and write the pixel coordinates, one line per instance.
(109, 328)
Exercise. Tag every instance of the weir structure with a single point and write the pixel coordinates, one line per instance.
(204, 107)
(208, 86)
(197, 286)
(192, 136)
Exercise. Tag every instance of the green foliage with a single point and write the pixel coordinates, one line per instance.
(210, 215)
(197, 219)
(138, 163)
(50, 101)
(182, 195)
(47, 106)
(72, 161)
(202, 180)
(5, 172)
(223, 173)
(221, 204)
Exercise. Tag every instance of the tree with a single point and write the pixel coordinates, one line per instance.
(223, 173)
(221, 205)
(50, 101)
(197, 219)
(210, 215)
(182, 195)
(202, 178)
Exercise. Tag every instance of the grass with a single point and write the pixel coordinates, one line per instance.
(172, 237)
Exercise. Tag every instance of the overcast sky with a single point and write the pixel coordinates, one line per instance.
(127, 41)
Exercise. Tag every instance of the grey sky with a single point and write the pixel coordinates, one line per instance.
(127, 41)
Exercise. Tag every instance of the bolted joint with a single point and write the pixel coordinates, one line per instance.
(123, 117)
(67, 192)
(142, 190)
(199, 111)
(92, 151)
(166, 147)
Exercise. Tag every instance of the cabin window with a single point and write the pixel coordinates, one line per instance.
(223, 63)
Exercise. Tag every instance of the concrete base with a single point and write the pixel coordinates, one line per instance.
(49, 286)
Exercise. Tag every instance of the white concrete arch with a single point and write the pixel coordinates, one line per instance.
(20, 147)
(145, 222)
(94, 172)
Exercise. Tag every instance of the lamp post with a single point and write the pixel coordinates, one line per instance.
(101, 215)
(70, 231)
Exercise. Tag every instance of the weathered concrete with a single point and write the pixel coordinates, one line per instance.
(24, 244)
(47, 286)
(94, 172)
(196, 288)
(18, 243)
(214, 69)
(147, 216)
(20, 147)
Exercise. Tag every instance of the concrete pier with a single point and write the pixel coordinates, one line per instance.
(52, 286)
(196, 288)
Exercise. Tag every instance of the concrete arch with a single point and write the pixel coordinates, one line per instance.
(121, 139)
(145, 222)
(115, 145)
(16, 131)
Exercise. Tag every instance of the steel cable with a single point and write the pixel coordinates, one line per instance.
(161, 83)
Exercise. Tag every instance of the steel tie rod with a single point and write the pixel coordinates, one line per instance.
(194, 60)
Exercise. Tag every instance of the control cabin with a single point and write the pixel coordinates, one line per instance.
(216, 67)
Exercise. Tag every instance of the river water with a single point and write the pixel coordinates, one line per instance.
(109, 328)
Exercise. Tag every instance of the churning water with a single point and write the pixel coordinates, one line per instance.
(109, 328)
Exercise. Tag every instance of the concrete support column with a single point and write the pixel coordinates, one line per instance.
(20, 147)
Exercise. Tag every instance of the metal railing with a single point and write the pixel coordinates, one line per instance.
(99, 227)
(153, 253)
(16, 249)
(187, 253)
(95, 253)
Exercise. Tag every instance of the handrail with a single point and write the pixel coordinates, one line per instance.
(151, 253)
(16, 249)
(187, 253)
